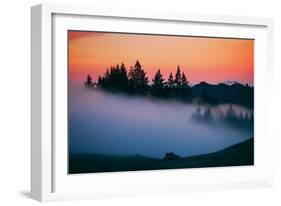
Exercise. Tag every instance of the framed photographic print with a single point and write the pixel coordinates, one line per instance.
(137, 102)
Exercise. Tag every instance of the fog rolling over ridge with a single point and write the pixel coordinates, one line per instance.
(106, 123)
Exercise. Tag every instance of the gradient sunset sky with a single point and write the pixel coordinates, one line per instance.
(212, 60)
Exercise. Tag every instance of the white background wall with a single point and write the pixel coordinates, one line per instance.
(15, 102)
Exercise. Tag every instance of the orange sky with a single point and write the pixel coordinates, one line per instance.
(212, 60)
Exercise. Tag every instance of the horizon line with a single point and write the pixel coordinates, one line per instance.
(191, 84)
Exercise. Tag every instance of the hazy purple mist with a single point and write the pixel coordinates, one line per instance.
(104, 123)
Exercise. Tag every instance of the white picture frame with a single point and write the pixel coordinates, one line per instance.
(49, 180)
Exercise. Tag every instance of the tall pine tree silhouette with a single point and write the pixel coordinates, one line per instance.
(158, 80)
(184, 82)
(89, 81)
(177, 83)
(178, 78)
(185, 87)
(158, 84)
(230, 114)
(124, 81)
(170, 82)
(138, 81)
(208, 115)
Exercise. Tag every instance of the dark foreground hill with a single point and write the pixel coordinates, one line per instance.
(236, 155)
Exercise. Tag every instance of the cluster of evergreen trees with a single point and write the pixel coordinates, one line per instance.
(136, 82)
(242, 120)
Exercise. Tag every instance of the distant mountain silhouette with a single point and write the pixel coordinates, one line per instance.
(223, 93)
(230, 82)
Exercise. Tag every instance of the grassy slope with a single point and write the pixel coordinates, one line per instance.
(239, 154)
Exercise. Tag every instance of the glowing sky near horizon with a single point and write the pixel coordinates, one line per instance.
(211, 60)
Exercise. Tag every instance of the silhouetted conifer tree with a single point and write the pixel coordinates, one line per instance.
(107, 75)
(158, 80)
(124, 82)
(185, 87)
(178, 78)
(137, 79)
(89, 81)
(100, 81)
(246, 117)
(103, 81)
(113, 80)
(230, 114)
(208, 115)
(240, 117)
(197, 115)
(184, 82)
(158, 84)
(170, 82)
(252, 117)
